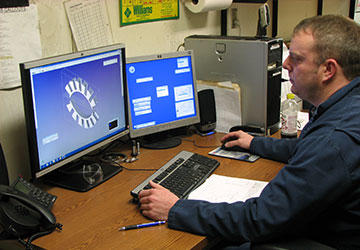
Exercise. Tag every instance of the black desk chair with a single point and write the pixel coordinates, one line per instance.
(286, 244)
(4, 178)
(292, 244)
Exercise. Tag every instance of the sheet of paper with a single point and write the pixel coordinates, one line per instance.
(285, 85)
(218, 188)
(228, 108)
(89, 23)
(357, 12)
(19, 42)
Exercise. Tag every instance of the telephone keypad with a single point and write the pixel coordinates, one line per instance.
(46, 199)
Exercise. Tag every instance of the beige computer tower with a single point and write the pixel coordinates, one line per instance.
(255, 64)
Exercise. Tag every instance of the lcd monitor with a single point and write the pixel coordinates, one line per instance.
(74, 104)
(162, 96)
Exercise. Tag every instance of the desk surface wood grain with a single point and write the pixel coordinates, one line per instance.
(91, 219)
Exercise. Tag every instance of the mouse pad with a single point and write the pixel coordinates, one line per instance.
(237, 155)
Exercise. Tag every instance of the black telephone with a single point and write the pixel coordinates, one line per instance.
(23, 217)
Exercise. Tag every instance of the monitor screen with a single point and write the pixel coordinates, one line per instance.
(162, 93)
(74, 104)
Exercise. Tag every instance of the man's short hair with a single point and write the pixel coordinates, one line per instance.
(335, 37)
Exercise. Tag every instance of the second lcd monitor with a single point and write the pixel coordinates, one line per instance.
(162, 95)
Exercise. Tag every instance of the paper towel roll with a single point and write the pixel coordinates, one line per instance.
(198, 6)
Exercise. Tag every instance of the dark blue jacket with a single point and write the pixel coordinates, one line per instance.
(316, 194)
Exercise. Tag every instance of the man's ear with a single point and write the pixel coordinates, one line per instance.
(329, 69)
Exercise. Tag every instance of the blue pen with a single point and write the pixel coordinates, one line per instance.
(150, 224)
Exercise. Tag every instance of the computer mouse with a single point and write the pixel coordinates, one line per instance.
(254, 131)
(234, 148)
(231, 138)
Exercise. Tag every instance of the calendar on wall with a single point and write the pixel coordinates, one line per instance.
(140, 11)
(89, 23)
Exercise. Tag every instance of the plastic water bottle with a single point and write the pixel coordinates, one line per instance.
(289, 117)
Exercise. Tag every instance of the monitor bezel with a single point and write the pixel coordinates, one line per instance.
(135, 133)
(25, 68)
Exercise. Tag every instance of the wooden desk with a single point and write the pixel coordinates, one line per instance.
(91, 219)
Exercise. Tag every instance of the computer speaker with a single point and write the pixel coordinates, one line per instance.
(4, 179)
(207, 111)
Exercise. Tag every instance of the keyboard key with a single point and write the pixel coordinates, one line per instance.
(182, 174)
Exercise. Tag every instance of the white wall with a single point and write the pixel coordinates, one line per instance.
(140, 39)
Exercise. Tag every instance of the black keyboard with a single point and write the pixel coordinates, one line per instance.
(181, 175)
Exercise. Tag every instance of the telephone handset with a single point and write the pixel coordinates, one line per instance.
(22, 216)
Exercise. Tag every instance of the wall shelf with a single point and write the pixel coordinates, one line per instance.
(275, 8)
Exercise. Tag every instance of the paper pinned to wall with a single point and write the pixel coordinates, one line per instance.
(227, 102)
(89, 23)
(357, 12)
(285, 85)
(19, 42)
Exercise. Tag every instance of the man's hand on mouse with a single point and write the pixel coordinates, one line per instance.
(237, 138)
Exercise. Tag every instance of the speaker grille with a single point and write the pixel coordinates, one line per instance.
(207, 109)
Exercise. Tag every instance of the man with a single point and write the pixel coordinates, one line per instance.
(317, 194)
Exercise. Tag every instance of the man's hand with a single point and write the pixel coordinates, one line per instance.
(243, 139)
(156, 202)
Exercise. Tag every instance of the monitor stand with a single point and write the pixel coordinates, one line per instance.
(160, 141)
(82, 176)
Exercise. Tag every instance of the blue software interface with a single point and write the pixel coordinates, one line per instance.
(160, 91)
(77, 103)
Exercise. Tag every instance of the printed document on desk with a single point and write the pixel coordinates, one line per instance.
(219, 188)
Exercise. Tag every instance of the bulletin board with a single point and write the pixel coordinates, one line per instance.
(140, 11)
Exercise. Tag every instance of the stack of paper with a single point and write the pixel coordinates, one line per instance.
(218, 188)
